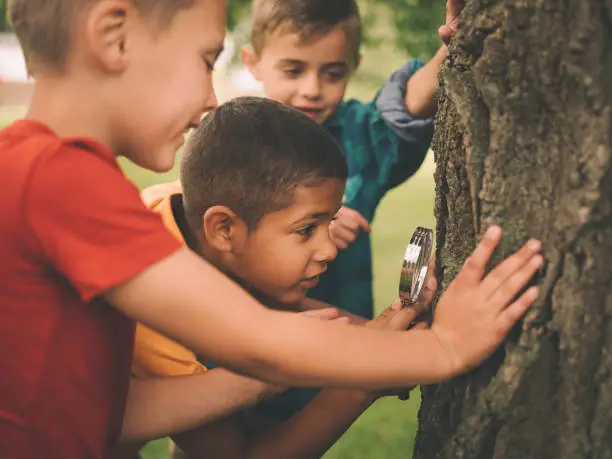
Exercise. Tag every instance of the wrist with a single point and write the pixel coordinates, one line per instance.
(441, 54)
(446, 358)
(438, 363)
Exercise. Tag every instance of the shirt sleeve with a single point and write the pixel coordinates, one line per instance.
(157, 355)
(413, 134)
(87, 222)
(392, 107)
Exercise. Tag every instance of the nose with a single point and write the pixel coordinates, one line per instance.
(212, 101)
(209, 105)
(327, 250)
(310, 87)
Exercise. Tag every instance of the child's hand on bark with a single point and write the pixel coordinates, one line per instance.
(453, 8)
(475, 314)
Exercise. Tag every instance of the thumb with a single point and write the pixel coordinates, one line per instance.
(402, 319)
(430, 287)
(394, 317)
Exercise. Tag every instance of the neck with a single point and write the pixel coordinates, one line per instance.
(70, 108)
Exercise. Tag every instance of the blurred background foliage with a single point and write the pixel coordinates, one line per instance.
(415, 23)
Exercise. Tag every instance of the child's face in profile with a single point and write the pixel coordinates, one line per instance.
(288, 250)
(167, 84)
(310, 77)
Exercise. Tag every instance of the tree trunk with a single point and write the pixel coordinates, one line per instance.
(524, 139)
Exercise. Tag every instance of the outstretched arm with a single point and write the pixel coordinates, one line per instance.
(422, 87)
(187, 299)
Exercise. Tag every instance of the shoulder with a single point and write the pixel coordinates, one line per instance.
(31, 149)
(154, 195)
(158, 355)
(75, 167)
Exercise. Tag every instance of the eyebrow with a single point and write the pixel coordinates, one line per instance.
(317, 216)
(335, 64)
(299, 62)
(291, 61)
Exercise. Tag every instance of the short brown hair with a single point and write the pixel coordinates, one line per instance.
(250, 155)
(44, 27)
(309, 18)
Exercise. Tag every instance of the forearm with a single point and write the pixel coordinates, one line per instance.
(279, 347)
(409, 358)
(209, 314)
(157, 407)
(421, 89)
(311, 432)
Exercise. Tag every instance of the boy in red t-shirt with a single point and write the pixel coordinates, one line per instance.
(131, 77)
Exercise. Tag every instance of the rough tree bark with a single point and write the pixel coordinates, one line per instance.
(524, 139)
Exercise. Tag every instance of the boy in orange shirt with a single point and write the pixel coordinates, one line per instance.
(83, 257)
(258, 206)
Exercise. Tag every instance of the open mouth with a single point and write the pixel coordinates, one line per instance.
(309, 282)
(310, 112)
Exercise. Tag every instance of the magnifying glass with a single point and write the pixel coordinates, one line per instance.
(415, 265)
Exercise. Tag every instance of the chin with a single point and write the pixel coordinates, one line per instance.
(164, 162)
(292, 299)
(324, 117)
(156, 161)
(162, 168)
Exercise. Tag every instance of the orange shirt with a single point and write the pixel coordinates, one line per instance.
(72, 228)
(155, 354)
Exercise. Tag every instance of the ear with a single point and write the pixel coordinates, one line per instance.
(106, 34)
(224, 231)
(251, 60)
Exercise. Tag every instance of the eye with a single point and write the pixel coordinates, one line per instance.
(292, 72)
(208, 62)
(335, 76)
(307, 230)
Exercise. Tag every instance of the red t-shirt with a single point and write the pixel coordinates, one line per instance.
(72, 227)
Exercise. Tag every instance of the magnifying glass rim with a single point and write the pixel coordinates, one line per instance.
(415, 265)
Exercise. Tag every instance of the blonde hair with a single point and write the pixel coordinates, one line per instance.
(309, 18)
(44, 27)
